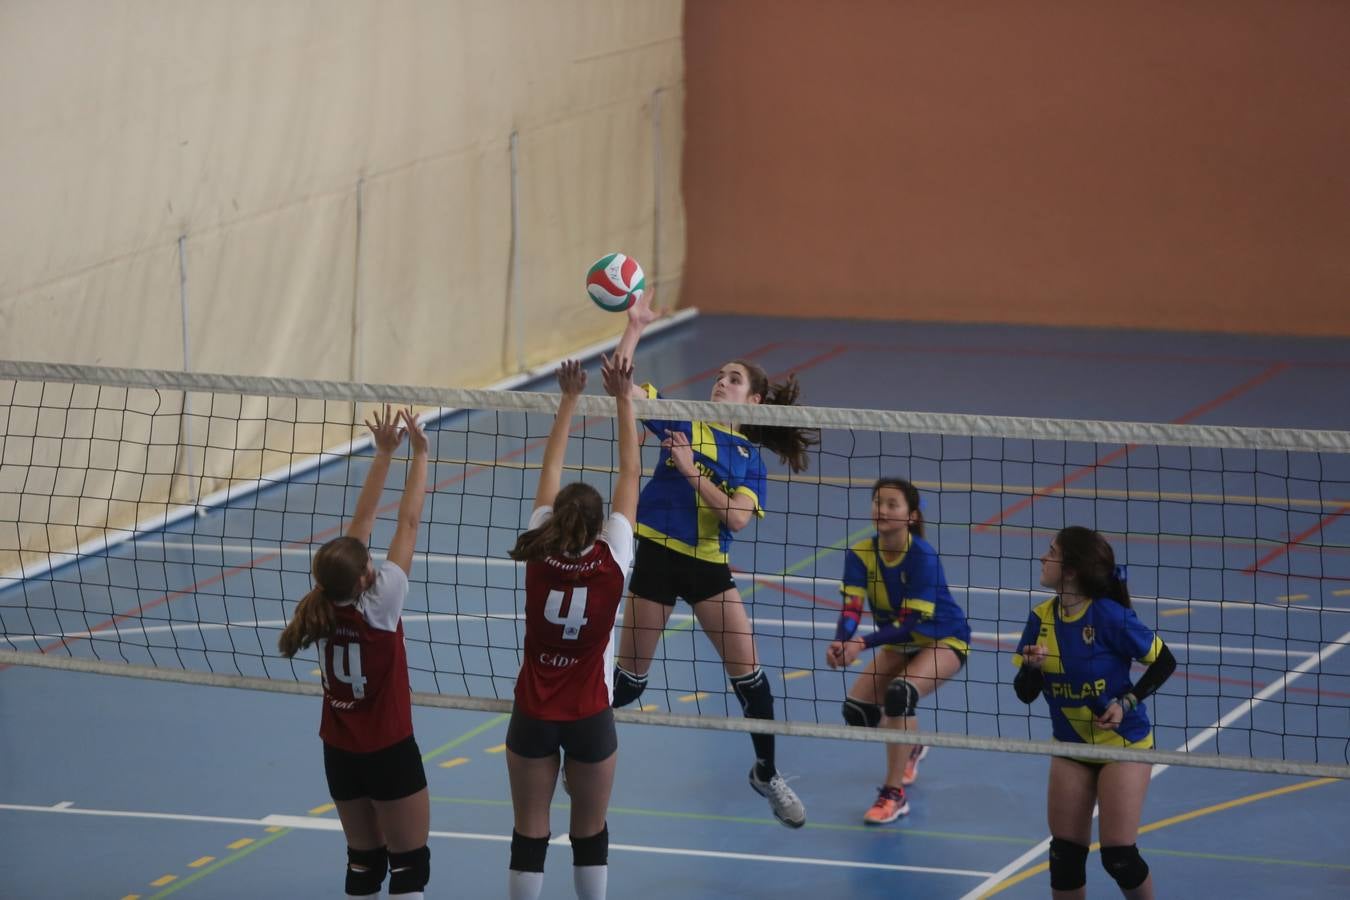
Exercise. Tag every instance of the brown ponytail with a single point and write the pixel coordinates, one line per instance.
(578, 515)
(337, 569)
(789, 443)
(1093, 562)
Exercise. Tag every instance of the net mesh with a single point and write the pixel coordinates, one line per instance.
(161, 524)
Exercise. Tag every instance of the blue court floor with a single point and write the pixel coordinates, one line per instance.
(118, 788)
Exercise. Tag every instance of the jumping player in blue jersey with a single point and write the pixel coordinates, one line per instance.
(708, 484)
(1076, 651)
(921, 632)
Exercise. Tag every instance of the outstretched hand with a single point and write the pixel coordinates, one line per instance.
(386, 430)
(417, 438)
(641, 313)
(571, 377)
(616, 373)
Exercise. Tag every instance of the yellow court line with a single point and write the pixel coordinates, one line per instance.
(457, 761)
(271, 829)
(650, 707)
(132, 897)
(163, 880)
(1343, 592)
(690, 698)
(1291, 598)
(800, 673)
(1163, 823)
(1183, 611)
(500, 748)
(242, 842)
(320, 810)
(198, 863)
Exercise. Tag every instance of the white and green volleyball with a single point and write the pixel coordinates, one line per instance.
(615, 282)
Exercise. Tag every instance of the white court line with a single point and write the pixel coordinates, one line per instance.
(429, 618)
(310, 823)
(831, 585)
(1203, 737)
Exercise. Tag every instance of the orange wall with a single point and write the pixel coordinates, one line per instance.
(1155, 164)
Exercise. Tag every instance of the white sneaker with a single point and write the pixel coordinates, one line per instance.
(786, 806)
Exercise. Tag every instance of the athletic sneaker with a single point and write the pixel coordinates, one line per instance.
(912, 766)
(891, 805)
(786, 806)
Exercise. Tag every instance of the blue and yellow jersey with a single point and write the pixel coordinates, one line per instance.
(672, 513)
(1087, 665)
(909, 591)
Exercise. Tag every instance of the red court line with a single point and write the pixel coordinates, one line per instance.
(1088, 355)
(1186, 417)
(1296, 540)
(322, 535)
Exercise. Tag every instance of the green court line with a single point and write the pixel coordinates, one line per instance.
(233, 857)
(263, 842)
(468, 735)
(790, 570)
(760, 820)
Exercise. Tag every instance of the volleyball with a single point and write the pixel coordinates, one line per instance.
(615, 282)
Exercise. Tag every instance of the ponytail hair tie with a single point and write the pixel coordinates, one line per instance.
(1120, 574)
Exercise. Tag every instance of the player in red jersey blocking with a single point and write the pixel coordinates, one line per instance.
(353, 616)
(576, 562)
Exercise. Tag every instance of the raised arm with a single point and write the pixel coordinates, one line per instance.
(414, 493)
(571, 381)
(640, 315)
(387, 432)
(617, 374)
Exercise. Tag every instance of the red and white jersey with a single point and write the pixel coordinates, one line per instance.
(570, 606)
(364, 667)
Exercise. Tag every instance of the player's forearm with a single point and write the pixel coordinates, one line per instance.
(414, 490)
(1158, 671)
(732, 509)
(368, 501)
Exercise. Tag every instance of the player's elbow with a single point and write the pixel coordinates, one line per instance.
(738, 518)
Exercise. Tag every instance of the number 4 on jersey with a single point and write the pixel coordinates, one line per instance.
(345, 664)
(574, 618)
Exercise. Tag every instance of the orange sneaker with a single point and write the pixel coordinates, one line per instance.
(891, 805)
(912, 765)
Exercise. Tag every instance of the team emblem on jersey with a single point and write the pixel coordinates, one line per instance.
(742, 451)
(1089, 634)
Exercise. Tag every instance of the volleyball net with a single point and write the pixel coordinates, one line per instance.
(160, 524)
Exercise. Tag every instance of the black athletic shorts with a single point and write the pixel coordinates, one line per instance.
(389, 774)
(665, 575)
(589, 740)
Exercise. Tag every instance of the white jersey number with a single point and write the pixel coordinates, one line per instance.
(574, 618)
(346, 666)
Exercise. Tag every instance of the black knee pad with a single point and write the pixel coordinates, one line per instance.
(1125, 865)
(902, 699)
(365, 871)
(627, 686)
(591, 851)
(861, 715)
(755, 694)
(1068, 865)
(409, 871)
(527, 853)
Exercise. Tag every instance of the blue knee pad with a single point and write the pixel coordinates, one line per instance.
(365, 871)
(861, 715)
(1125, 865)
(902, 699)
(409, 871)
(1068, 865)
